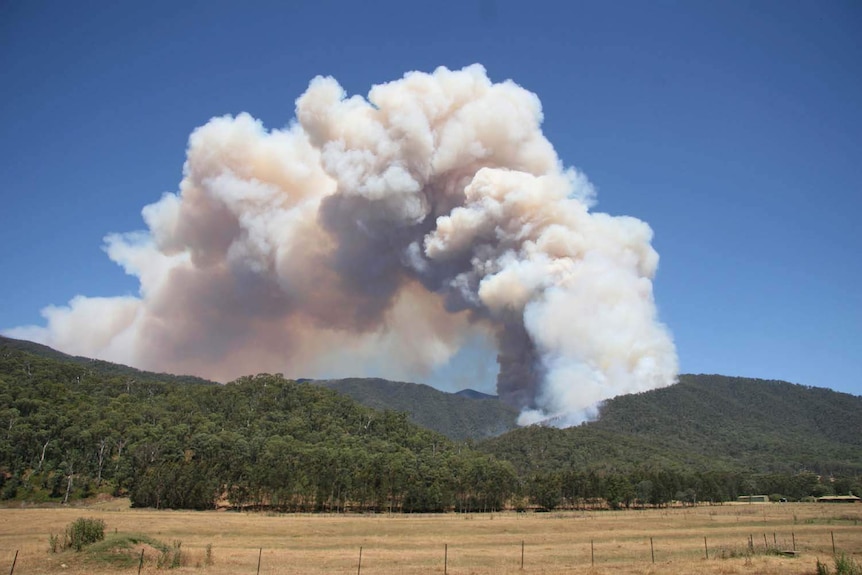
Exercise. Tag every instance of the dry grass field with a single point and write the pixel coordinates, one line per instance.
(554, 543)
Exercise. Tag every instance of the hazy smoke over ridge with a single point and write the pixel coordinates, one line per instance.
(384, 233)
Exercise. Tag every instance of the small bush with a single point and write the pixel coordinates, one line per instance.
(847, 566)
(178, 555)
(83, 532)
(171, 557)
(209, 555)
(54, 542)
(843, 566)
(123, 551)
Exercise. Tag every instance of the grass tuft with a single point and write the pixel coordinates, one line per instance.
(845, 565)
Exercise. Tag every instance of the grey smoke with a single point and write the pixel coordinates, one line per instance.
(382, 233)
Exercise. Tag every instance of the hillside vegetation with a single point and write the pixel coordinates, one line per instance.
(68, 430)
(98, 366)
(705, 438)
(705, 422)
(72, 427)
(459, 416)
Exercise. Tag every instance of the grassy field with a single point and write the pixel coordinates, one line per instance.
(553, 543)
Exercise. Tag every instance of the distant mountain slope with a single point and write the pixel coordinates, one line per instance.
(473, 394)
(458, 416)
(97, 365)
(703, 422)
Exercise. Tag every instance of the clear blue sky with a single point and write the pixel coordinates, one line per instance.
(733, 128)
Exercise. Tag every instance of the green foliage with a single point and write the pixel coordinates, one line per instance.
(84, 531)
(71, 427)
(262, 441)
(122, 551)
(171, 557)
(708, 438)
(545, 490)
(845, 565)
(705, 423)
(104, 368)
(458, 417)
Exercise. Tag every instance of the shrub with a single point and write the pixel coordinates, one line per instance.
(847, 566)
(843, 566)
(171, 557)
(123, 551)
(84, 531)
(54, 542)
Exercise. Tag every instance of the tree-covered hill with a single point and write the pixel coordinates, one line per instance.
(68, 430)
(458, 416)
(97, 365)
(72, 427)
(704, 422)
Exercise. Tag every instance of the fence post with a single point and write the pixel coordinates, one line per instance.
(592, 553)
(705, 548)
(141, 562)
(833, 541)
(359, 565)
(651, 550)
(445, 558)
(259, 555)
(522, 554)
(15, 560)
(793, 535)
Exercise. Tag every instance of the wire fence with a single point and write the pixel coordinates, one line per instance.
(524, 556)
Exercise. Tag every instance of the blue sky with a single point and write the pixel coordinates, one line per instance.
(733, 128)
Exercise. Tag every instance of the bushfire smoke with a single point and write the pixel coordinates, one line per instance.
(381, 233)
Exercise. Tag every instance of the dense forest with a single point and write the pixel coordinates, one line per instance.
(704, 423)
(706, 438)
(71, 428)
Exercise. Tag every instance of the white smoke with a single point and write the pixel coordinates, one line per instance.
(382, 234)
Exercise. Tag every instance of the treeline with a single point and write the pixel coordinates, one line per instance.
(69, 431)
(661, 487)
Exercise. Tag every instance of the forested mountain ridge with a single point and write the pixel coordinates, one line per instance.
(68, 431)
(740, 415)
(459, 416)
(97, 365)
(704, 422)
(71, 427)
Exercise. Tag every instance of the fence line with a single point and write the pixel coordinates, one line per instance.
(720, 552)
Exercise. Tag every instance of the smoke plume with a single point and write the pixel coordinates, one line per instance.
(380, 234)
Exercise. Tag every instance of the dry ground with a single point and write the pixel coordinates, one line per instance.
(554, 543)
